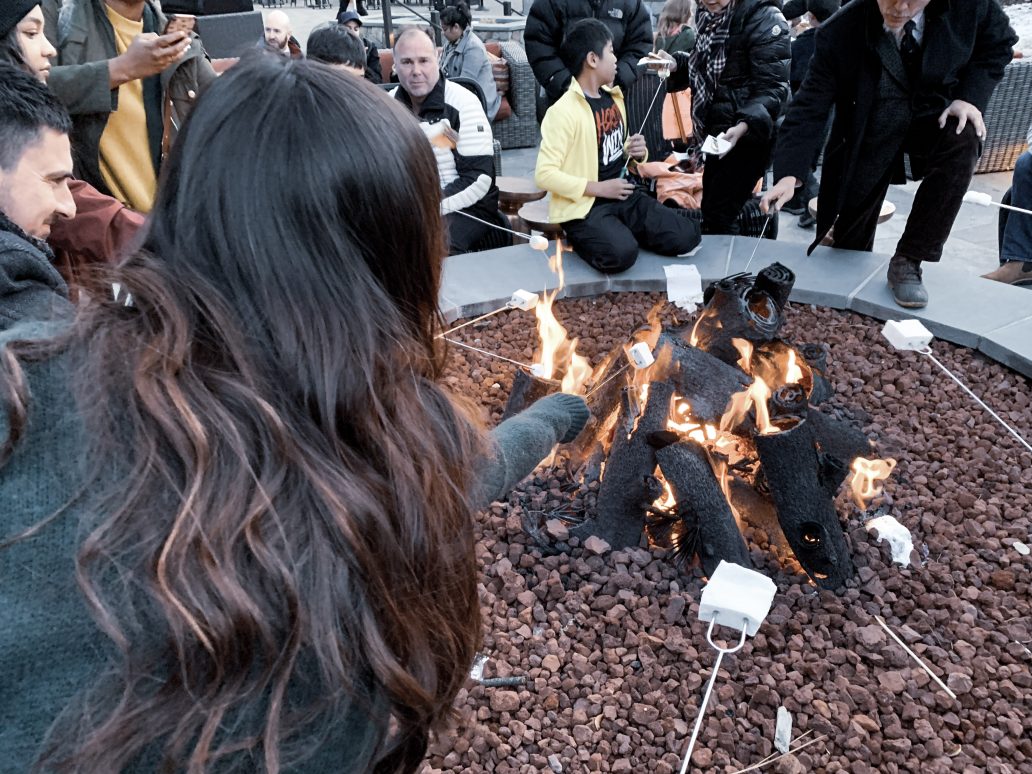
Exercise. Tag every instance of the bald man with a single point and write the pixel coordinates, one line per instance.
(278, 35)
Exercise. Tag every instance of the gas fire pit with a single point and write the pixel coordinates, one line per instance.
(607, 654)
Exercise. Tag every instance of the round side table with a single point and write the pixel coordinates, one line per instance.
(888, 209)
(535, 215)
(513, 193)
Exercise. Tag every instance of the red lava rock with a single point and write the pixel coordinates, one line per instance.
(610, 646)
(557, 530)
(505, 701)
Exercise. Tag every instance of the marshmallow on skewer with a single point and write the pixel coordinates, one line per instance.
(640, 355)
(523, 299)
(538, 370)
(977, 197)
(539, 242)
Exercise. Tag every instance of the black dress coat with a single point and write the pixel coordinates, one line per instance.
(966, 45)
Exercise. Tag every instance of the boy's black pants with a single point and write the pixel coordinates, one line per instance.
(609, 235)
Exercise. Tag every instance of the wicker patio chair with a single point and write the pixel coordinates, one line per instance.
(1007, 119)
(519, 130)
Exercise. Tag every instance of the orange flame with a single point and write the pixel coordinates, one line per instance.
(755, 395)
(558, 352)
(867, 479)
(793, 373)
(555, 263)
(745, 349)
(665, 501)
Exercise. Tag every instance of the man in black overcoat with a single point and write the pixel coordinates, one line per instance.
(904, 76)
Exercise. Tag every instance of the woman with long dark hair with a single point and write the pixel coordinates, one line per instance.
(236, 502)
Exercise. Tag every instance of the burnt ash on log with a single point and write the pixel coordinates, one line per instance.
(743, 307)
(816, 356)
(795, 478)
(687, 469)
(706, 382)
(625, 494)
(525, 390)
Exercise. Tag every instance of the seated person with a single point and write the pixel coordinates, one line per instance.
(335, 45)
(1016, 246)
(102, 225)
(455, 122)
(353, 22)
(581, 163)
(465, 55)
(279, 36)
(35, 168)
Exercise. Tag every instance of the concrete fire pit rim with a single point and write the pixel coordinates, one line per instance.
(964, 309)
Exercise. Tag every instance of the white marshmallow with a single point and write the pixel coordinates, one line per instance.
(737, 597)
(538, 370)
(907, 334)
(539, 242)
(640, 355)
(977, 197)
(523, 299)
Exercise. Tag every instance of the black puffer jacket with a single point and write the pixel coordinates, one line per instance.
(753, 86)
(627, 20)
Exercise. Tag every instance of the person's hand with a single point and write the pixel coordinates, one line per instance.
(636, 147)
(733, 135)
(148, 55)
(778, 195)
(617, 188)
(451, 135)
(964, 112)
(668, 63)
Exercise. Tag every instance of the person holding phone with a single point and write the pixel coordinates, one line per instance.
(116, 69)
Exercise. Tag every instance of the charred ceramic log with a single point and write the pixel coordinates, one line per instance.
(788, 402)
(795, 477)
(742, 307)
(706, 382)
(525, 390)
(687, 469)
(816, 356)
(625, 493)
(770, 363)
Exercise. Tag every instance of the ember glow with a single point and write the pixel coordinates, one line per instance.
(868, 477)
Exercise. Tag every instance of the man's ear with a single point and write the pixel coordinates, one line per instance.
(592, 60)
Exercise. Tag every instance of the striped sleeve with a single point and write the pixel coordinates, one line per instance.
(473, 154)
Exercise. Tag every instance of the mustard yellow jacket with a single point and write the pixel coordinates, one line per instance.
(568, 158)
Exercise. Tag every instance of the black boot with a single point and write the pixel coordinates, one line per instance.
(905, 283)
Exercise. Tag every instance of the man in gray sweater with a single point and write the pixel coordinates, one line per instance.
(35, 168)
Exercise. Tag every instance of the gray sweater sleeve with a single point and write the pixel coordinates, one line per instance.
(519, 443)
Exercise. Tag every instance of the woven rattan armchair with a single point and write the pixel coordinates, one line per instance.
(1007, 119)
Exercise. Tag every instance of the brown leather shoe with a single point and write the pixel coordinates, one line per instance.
(905, 283)
(1012, 273)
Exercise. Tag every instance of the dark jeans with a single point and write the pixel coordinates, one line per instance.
(728, 183)
(947, 160)
(464, 233)
(609, 235)
(1017, 233)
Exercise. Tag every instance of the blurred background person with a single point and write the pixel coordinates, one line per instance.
(465, 56)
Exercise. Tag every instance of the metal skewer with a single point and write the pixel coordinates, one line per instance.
(759, 241)
(537, 242)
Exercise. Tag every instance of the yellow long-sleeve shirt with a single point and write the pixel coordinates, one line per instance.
(568, 158)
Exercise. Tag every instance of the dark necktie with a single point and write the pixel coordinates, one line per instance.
(910, 51)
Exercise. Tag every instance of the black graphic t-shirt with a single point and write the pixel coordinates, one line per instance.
(609, 132)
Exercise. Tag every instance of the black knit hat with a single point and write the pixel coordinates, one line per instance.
(12, 12)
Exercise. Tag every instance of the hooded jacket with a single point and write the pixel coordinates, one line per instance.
(627, 20)
(30, 286)
(85, 41)
(753, 86)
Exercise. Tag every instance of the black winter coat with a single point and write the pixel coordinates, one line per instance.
(753, 86)
(966, 45)
(627, 20)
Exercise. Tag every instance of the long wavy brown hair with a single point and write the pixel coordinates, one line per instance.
(281, 550)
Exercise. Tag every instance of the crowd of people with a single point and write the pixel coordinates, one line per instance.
(235, 497)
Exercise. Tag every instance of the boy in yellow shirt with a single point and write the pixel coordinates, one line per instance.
(584, 155)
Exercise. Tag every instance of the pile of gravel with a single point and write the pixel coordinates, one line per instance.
(615, 660)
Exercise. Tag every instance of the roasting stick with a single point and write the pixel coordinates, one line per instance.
(730, 249)
(476, 320)
(776, 754)
(927, 352)
(757, 247)
(537, 241)
(914, 656)
(663, 74)
(721, 652)
(985, 200)
(489, 354)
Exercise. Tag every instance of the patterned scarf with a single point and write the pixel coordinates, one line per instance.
(707, 61)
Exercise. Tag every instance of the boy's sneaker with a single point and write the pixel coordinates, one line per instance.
(806, 220)
(797, 205)
(1012, 273)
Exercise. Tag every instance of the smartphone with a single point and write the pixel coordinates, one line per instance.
(180, 22)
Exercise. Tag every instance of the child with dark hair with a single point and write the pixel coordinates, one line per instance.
(585, 153)
(337, 46)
